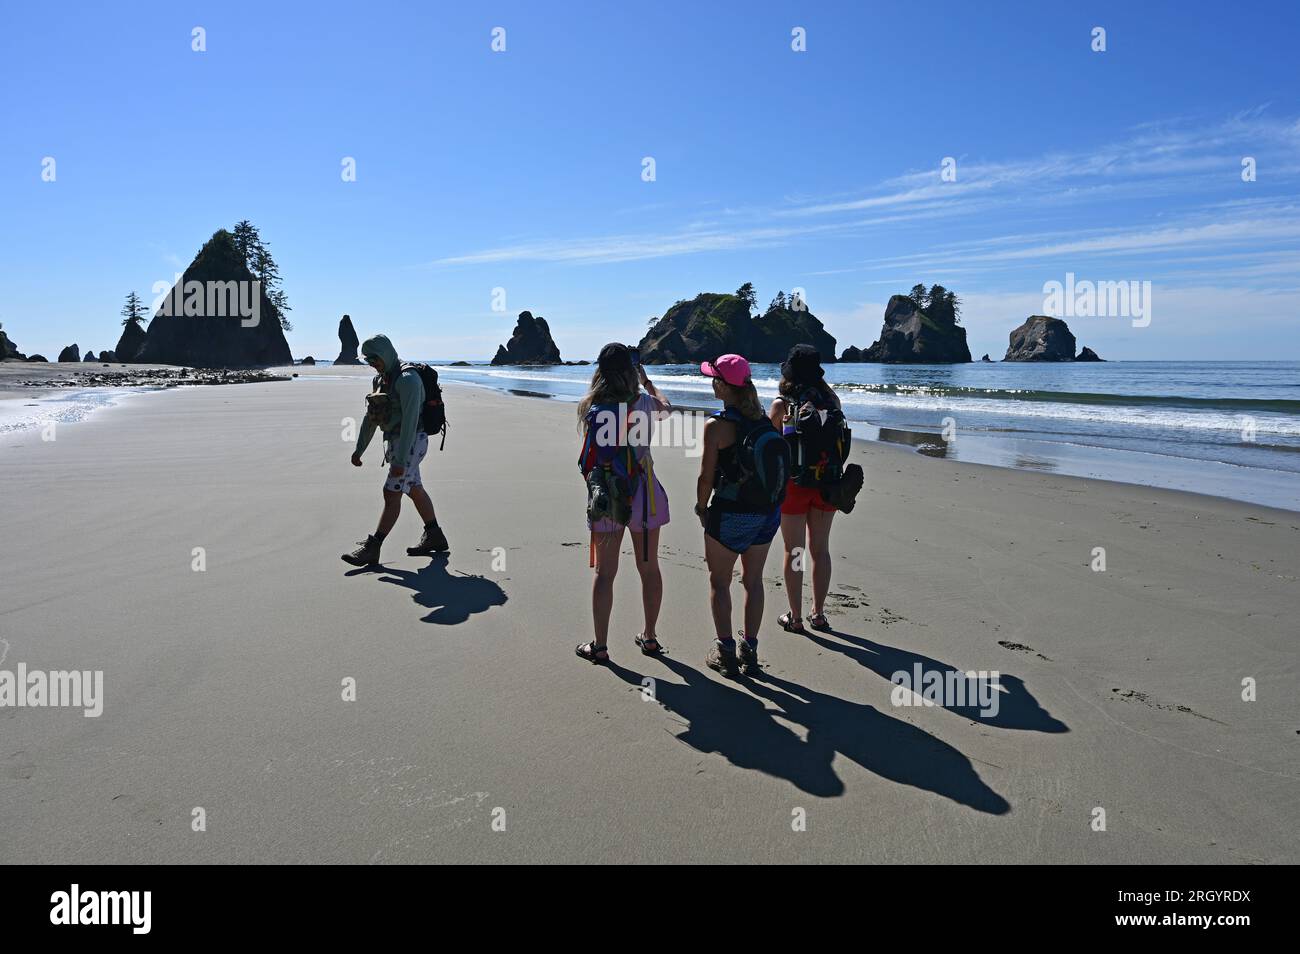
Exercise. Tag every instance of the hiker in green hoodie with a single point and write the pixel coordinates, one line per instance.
(393, 408)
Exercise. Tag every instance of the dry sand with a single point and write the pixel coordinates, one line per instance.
(1123, 688)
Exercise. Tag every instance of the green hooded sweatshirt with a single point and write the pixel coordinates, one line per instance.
(403, 421)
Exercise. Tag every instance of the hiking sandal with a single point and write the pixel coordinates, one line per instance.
(642, 643)
(819, 622)
(591, 652)
(791, 623)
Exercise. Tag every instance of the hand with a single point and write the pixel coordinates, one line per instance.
(703, 514)
(396, 471)
(356, 460)
(640, 371)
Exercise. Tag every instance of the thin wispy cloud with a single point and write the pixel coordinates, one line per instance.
(1156, 160)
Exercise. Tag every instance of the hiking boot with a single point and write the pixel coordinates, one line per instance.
(433, 540)
(747, 655)
(723, 660)
(367, 554)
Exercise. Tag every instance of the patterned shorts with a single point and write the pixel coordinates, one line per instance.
(411, 478)
(738, 531)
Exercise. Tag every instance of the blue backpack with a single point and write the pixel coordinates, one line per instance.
(760, 466)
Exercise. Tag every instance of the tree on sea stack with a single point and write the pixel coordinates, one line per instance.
(133, 312)
(257, 256)
(746, 294)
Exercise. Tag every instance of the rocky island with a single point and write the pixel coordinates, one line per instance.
(1043, 338)
(711, 324)
(920, 328)
(530, 343)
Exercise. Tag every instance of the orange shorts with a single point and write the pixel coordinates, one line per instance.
(799, 500)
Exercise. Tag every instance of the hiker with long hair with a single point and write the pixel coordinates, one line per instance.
(405, 411)
(623, 494)
(808, 414)
(743, 471)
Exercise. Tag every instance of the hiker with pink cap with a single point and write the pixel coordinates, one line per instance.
(743, 472)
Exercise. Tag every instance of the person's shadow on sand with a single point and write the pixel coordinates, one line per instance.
(1017, 707)
(738, 726)
(452, 597)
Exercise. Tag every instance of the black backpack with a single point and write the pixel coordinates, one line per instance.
(433, 416)
(819, 443)
(761, 464)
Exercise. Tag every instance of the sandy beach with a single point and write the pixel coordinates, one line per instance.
(1121, 690)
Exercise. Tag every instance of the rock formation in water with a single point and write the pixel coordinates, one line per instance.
(309, 360)
(913, 335)
(852, 354)
(348, 342)
(987, 358)
(108, 356)
(217, 316)
(38, 358)
(70, 353)
(711, 324)
(530, 343)
(1087, 354)
(1041, 338)
(132, 340)
(89, 356)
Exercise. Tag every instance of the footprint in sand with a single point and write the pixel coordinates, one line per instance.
(1021, 648)
(1133, 695)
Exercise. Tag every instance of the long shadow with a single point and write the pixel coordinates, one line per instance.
(452, 597)
(1017, 707)
(738, 726)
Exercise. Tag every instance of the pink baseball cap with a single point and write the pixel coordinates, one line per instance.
(732, 368)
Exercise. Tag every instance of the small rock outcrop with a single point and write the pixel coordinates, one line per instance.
(911, 335)
(852, 354)
(218, 316)
(132, 340)
(711, 324)
(308, 360)
(348, 342)
(38, 358)
(987, 358)
(89, 356)
(8, 350)
(108, 356)
(1041, 338)
(1087, 354)
(70, 353)
(530, 343)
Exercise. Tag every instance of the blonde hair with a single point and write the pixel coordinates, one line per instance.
(744, 398)
(618, 387)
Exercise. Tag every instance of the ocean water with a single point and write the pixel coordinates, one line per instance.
(1230, 429)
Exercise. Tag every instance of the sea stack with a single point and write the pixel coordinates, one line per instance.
(132, 340)
(70, 353)
(348, 342)
(1087, 354)
(711, 324)
(916, 335)
(89, 356)
(217, 316)
(530, 343)
(8, 350)
(852, 354)
(1041, 338)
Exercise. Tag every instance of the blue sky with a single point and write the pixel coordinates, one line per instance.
(522, 169)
